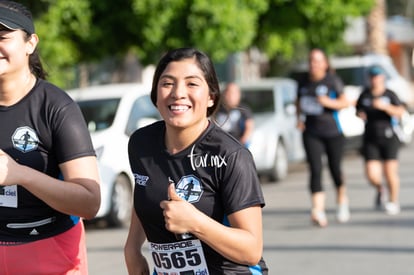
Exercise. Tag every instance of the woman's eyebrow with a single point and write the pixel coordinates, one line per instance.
(194, 76)
(167, 76)
(187, 77)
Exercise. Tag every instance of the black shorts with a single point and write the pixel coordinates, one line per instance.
(381, 149)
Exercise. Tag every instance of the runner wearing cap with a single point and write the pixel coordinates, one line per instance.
(48, 172)
(379, 106)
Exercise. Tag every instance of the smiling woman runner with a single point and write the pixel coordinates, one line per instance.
(197, 196)
(43, 139)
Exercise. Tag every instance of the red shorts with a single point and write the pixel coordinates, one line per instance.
(62, 254)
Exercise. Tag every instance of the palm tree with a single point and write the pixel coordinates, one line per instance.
(376, 33)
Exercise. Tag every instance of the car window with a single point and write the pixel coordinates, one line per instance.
(142, 108)
(99, 114)
(260, 101)
(298, 75)
(356, 76)
(288, 94)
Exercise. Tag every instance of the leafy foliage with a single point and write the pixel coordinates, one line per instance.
(217, 27)
(79, 31)
(61, 25)
(288, 25)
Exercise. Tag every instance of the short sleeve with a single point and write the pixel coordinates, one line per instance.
(358, 105)
(394, 99)
(241, 186)
(247, 112)
(71, 138)
(338, 84)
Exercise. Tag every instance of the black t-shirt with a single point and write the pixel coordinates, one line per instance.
(216, 174)
(320, 121)
(233, 120)
(379, 124)
(42, 130)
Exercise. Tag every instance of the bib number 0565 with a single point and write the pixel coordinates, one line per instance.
(177, 260)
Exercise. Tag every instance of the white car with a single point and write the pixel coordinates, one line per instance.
(112, 113)
(276, 141)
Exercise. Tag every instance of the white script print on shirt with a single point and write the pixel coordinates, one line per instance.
(206, 160)
(141, 179)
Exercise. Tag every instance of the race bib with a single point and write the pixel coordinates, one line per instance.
(179, 258)
(8, 196)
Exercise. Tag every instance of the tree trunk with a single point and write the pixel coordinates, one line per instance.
(83, 75)
(376, 32)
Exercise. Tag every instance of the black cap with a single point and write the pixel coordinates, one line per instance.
(16, 21)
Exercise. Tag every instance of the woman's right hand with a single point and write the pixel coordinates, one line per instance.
(300, 125)
(139, 267)
(362, 115)
(136, 262)
(8, 169)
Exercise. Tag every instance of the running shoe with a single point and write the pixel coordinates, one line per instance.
(342, 213)
(392, 208)
(319, 218)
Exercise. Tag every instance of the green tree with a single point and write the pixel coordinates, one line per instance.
(218, 27)
(74, 32)
(290, 28)
(61, 26)
(290, 25)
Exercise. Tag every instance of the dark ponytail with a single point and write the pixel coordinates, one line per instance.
(36, 66)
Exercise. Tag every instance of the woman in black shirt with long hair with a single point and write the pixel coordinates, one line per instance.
(320, 97)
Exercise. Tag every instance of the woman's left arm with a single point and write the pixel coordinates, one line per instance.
(390, 109)
(241, 242)
(78, 194)
(334, 103)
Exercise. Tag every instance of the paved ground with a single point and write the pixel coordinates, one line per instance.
(371, 243)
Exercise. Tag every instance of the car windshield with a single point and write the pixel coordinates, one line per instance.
(355, 76)
(259, 101)
(99, 114)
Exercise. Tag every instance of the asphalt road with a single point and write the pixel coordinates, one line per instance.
(371, 243)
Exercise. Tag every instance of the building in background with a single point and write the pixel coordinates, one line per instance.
(399, 33)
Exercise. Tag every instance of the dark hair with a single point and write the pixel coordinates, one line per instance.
(35, 63)
(205, 65)
(325, 55)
